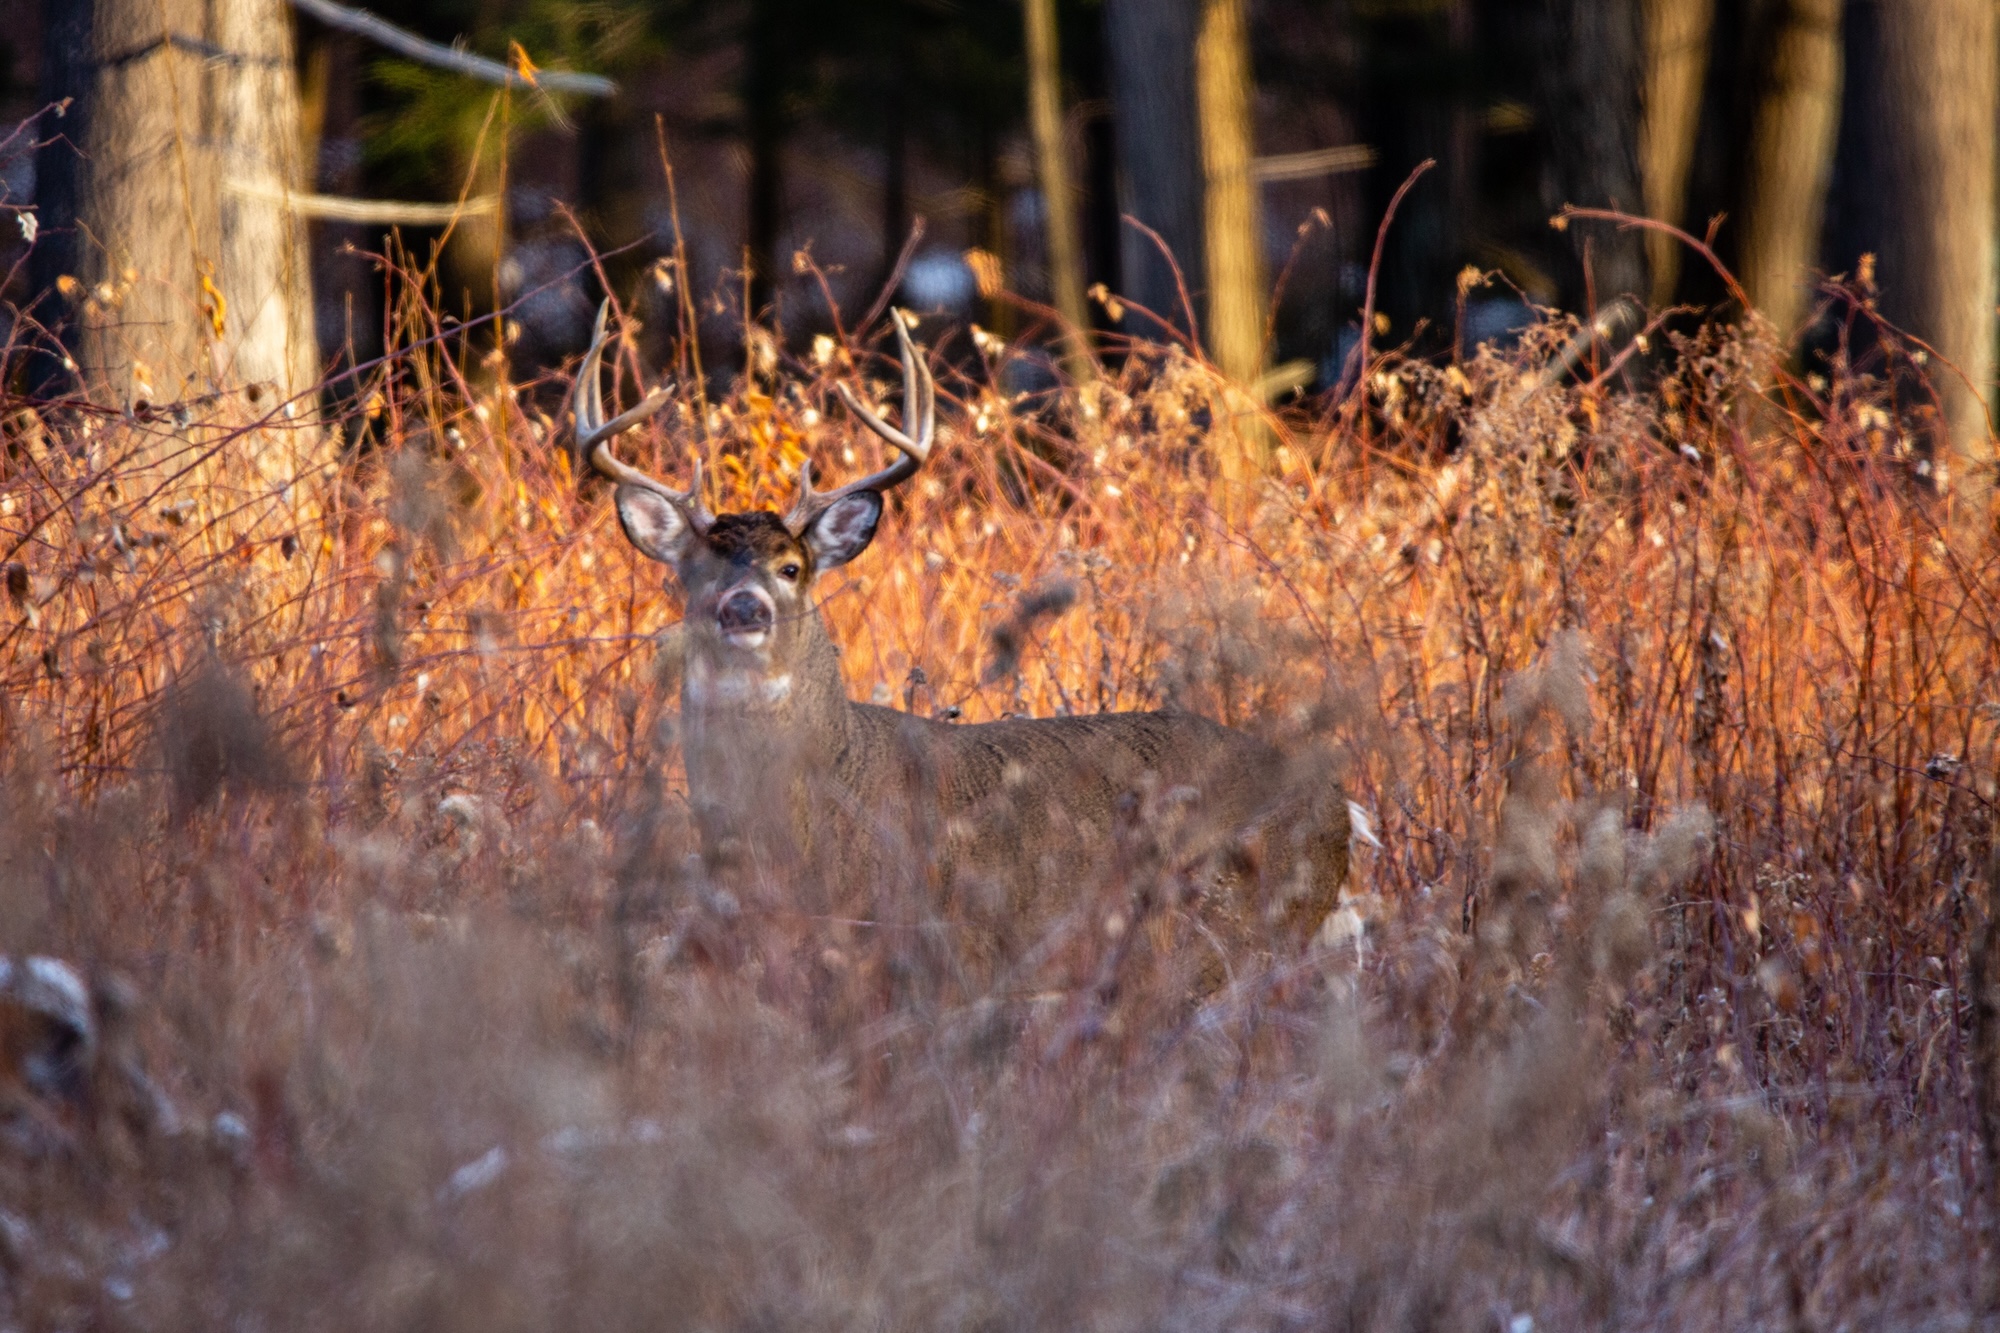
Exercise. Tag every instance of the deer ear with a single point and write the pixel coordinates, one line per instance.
(653, 524)
(844, 530)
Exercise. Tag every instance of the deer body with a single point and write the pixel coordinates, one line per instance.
(784, 767)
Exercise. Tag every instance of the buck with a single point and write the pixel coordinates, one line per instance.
(780, 762)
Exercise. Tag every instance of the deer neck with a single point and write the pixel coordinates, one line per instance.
(747, 727)
(755, 740)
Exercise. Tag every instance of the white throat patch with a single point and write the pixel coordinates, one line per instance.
(704, 686)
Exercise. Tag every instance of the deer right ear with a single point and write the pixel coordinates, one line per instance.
(844, 530)
(653, 524)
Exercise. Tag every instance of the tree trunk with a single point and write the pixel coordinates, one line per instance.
(66, 67)
(1159, 154)
(346, 288)
(765, 85)
(1235, 240)
(1939, 61)
(195, 268)
(1045, 122)
(1589, 95)
(1791, 156)
(994, 238)
(1102, 231)
(895, 177)
(1414, 104)
(1678, 33)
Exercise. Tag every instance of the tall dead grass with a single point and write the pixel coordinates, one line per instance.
(356, 803)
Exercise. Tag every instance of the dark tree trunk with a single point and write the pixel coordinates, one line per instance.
(1102, 230)
(1588, 104)
(764, 89)
(66, 67)
(1412, 109)
(994, 238)
(895, 176)
(346, 286)
(1151, 46)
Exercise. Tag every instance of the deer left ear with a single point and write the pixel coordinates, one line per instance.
(653, 524)
(844, 530)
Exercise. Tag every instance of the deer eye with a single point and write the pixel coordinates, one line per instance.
(789, 571)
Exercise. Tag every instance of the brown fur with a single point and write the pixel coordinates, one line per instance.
(742, 538)
(1014, 814)
(1007, 820)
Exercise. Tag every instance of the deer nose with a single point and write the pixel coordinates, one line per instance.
(744, 612)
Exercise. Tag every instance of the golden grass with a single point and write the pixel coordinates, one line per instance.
(1675, 720)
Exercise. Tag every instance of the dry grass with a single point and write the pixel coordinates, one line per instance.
(358, 804)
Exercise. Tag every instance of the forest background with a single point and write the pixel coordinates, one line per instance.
(360, 965)
(1254, 141)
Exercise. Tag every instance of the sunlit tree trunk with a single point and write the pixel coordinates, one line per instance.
(1678, 33)
(1045, 122)
(1939, 62)
(1234, 241)
(1791, 156)
(1159, 152)
(193, 265)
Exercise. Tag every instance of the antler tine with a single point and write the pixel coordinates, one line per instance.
(594, 434)
(919, 408)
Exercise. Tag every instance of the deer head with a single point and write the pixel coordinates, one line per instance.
(747, 578)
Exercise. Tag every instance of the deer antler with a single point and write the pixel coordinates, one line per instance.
(594, 433)
(919, 407)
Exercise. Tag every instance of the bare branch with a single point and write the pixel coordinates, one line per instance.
(1313, 163)
(382, 212)
(407, 43)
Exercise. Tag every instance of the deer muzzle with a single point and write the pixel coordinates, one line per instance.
(745, 617)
